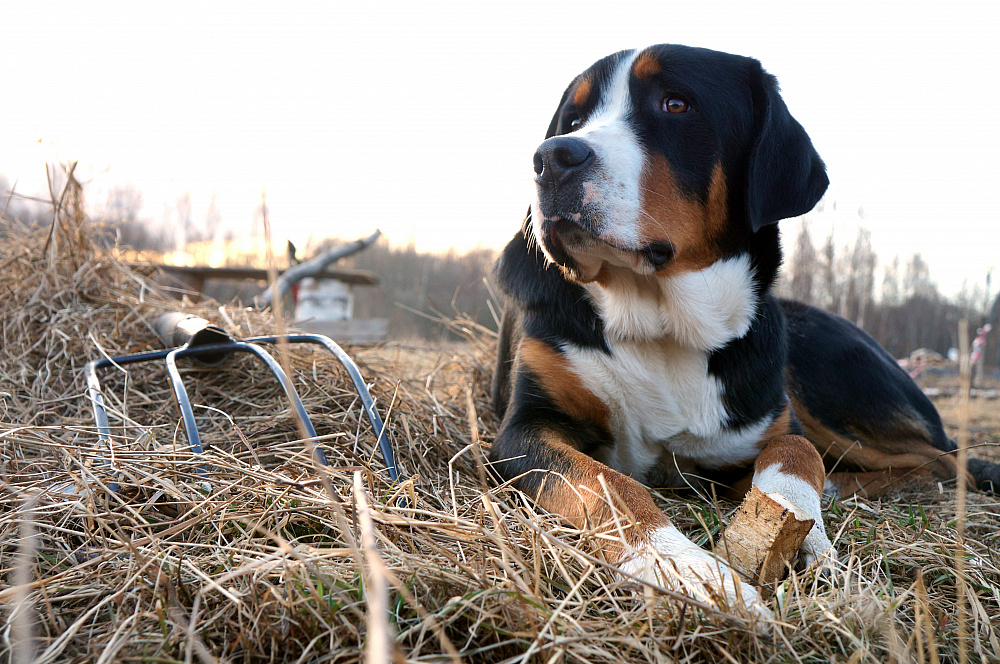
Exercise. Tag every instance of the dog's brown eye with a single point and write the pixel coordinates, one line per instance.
(675, 105)
(574, 123)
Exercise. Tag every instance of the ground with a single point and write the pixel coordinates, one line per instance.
(266, 557)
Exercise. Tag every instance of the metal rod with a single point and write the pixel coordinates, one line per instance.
(96, 398)
(381, 431)
(184, 404)
(290, 393)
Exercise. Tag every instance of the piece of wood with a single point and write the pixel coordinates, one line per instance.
(201, 273)
(763, 537)
(355, 331)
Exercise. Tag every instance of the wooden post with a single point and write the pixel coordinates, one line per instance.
(763, 537)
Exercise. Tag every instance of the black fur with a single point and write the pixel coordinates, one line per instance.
(785, 175)
(523, 448)
(860, 382)
(751, 368)
(855, 388)
(550, 307)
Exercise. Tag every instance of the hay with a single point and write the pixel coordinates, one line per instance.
(269, 559)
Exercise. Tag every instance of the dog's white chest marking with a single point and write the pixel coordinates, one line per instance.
(656, 381)
(662, 398)
(702, 309)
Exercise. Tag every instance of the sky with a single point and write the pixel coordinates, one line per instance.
(421, 118)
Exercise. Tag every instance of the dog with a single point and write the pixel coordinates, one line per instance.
(640, 342)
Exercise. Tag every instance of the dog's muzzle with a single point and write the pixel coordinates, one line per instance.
(571, 223)
(562, 166)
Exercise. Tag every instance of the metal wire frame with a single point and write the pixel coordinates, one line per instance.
(224, 349)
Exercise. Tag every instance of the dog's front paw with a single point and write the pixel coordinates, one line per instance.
(817, 550)
(676, 563)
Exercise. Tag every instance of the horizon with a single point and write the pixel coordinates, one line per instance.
(418, 121)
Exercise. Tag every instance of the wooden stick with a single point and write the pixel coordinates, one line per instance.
(763, 537)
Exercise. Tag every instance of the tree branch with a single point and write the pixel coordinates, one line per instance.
(314, 266)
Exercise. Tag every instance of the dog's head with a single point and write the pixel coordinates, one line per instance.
(665, 160)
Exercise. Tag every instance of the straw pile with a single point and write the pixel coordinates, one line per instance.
(269, 559)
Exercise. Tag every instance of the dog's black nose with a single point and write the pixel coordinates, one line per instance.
(560, 156)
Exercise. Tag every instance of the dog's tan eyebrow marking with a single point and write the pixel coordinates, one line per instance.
(646, 66)
(582, 92)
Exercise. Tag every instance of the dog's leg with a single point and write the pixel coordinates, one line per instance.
(872, 484)
(791, 466)
(541, 460)
(881, 459)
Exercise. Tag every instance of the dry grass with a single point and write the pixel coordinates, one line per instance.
(271, 559)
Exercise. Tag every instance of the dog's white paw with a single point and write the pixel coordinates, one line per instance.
(676, 563)
(818, 550)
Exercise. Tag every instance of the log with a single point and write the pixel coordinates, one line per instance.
(354, 331)
(763, 537)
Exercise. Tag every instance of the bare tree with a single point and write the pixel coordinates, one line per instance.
(891, 290)
(860, 284)
(917, 279)
(804, 265)
(24, 209)
(828, 270)
(121, 214)
(123, 204)
(213, 220)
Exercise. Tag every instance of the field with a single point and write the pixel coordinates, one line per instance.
(269, 558)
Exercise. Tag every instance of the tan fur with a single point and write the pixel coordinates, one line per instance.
(692, 227)
(582, 92)
(581, 499)
(562, 385)
(896, 458)
(646, 66)
(781, 426)
(794, 455)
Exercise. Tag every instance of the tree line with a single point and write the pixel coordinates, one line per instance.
(899, 305)
(898, 302)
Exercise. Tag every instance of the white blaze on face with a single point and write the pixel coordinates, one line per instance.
(613, 188)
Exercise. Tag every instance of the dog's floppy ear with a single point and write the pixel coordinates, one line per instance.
(785, 175)
(551, 131)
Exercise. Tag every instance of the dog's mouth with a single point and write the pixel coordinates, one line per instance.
(553, 232)
(584, 253)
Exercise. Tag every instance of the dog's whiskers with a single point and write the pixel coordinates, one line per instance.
(659, 224)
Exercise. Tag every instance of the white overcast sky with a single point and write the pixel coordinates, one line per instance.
(421, 118)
